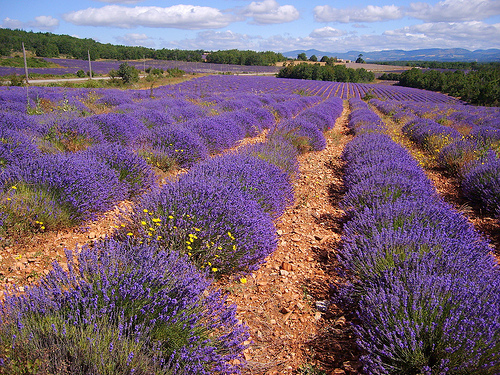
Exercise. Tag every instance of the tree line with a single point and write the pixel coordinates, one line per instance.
(338, 73)
(238, 57)
(54, 45)
(480, 87)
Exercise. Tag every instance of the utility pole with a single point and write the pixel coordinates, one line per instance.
(25, 64)
(90, 66)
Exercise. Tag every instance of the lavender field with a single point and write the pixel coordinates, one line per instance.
(72, 66)
(421, 280)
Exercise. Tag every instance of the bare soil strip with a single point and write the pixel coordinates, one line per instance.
(286, 302)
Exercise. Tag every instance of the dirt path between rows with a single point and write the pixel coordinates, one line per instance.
(286, 302)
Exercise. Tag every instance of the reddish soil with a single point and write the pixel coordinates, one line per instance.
(283, 301)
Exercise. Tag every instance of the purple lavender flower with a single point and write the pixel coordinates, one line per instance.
(263, 182)
(154, 311)
(214, 222)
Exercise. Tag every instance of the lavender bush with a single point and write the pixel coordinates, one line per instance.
(277, 150)
(69, 134)
(430, 135)
(15, 147)
(176, 143)
(481, 183)
(132, 171)
(218, 132)
(417, 322)
(216, 224)
(263, 182)
(121, 309)
(58, 190)
(423, 280)
(305, 135)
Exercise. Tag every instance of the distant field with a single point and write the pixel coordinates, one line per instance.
(71, 66)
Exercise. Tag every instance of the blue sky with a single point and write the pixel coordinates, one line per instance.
(275, 25)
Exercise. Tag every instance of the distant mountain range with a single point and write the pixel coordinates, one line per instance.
(432, 54)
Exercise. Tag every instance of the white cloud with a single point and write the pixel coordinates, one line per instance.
(120, 1)
(270, 12)
(371, 13)
(180, 16)
(326, 32)
(133, 39)
(219, 40)
(456, 33)
(44, 23)
(455, 10)
(469, 35)
(9, 23)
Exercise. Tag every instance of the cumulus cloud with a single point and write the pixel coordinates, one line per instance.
(120, 1)
(455, 10)
(9, 23)
(270, 12)
(326, 32)
(44, 23)
(452, 32)
(180, 16)
(218, 40)
(133, 39)
(371, 13)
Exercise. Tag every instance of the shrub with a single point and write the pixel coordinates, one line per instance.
(481, 183)
(276, 150)
(219, 132)
(59, 190)
(417, 322)
(217, 225)
(118, 127)
(263, 182)
(430, 135)
(306, 136)
(132, 170)
(456, 156)
(128, 73)
(15, 147)
(176, 142)
(124, 309)
(72, 134)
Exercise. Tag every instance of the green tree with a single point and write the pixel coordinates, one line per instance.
(128, 73)
(302, 56)
(313, 58)
(360, 60)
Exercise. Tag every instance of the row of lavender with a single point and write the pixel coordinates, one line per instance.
(63, 168)
(464, 140)
(129, 304)
(426, 288)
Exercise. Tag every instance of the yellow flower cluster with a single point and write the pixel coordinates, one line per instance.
(42, 227)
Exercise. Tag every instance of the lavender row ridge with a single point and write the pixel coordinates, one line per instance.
(423, 281)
